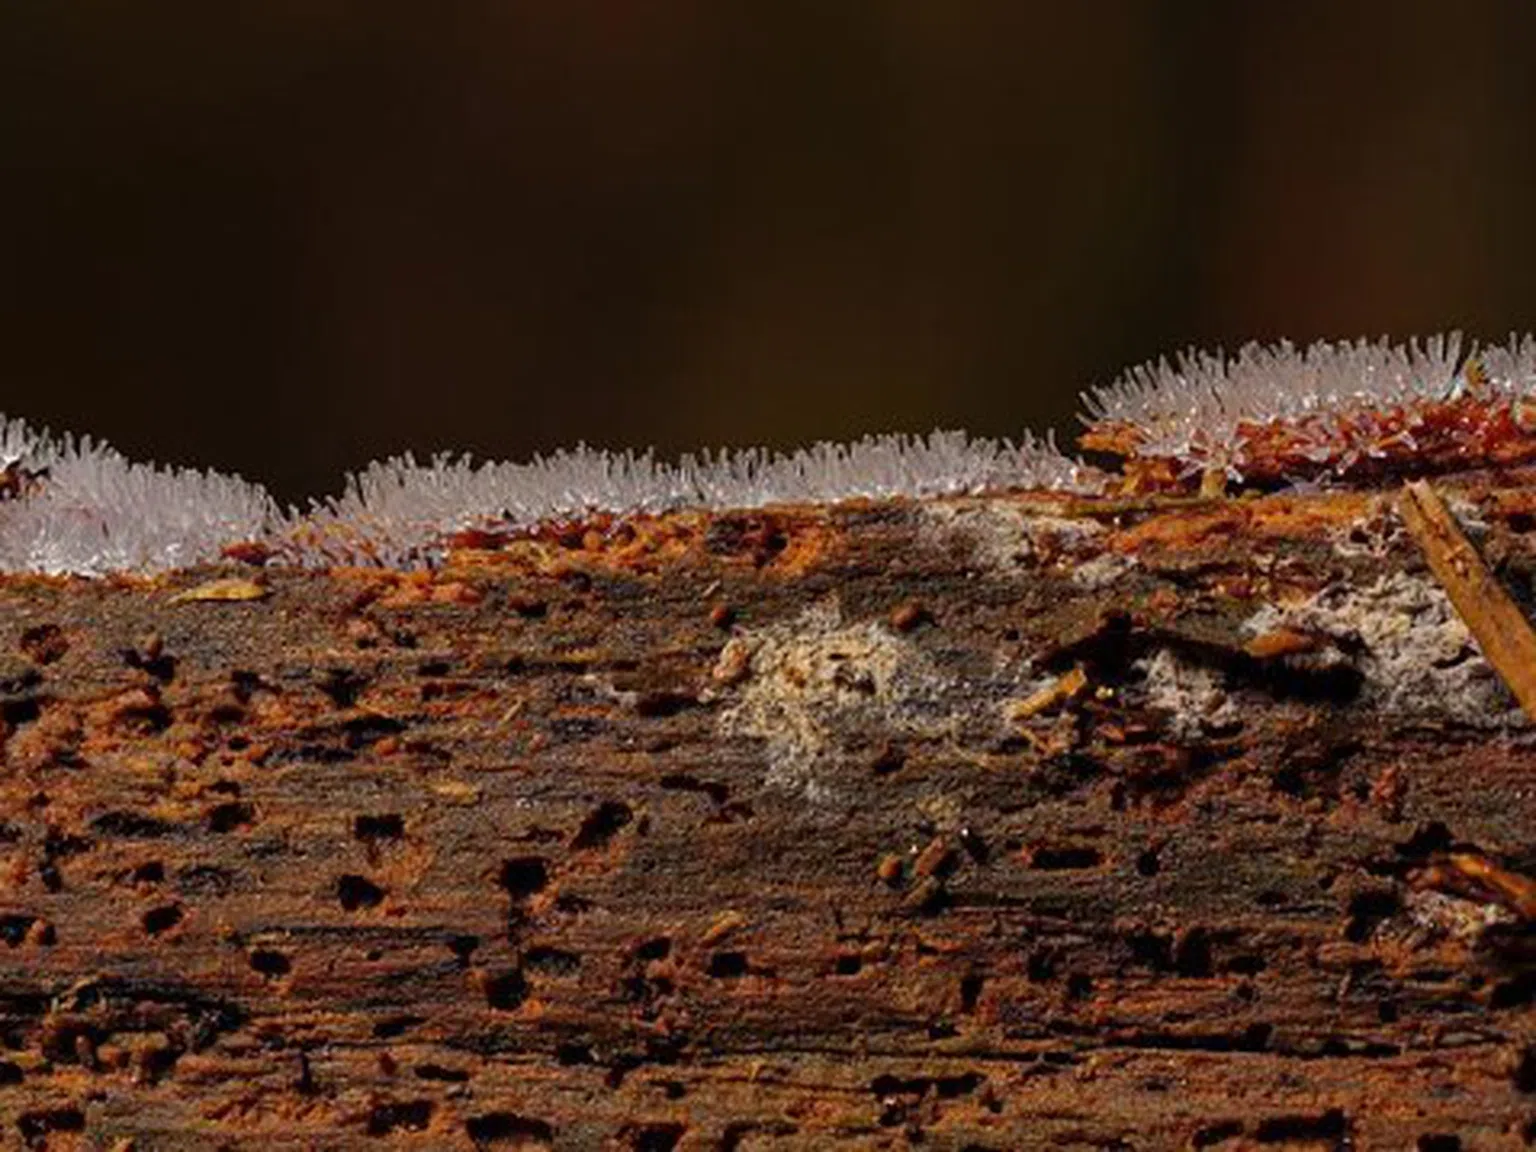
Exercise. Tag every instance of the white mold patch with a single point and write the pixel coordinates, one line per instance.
(1440, 915)
(1406, 639)
(1193, 695)
(1372, 536)
(809, 681)
(1376, 534)
(1102, 570)
(1002, 536)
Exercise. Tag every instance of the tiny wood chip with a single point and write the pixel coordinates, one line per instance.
(229, 588)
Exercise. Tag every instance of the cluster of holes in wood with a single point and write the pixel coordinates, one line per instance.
(1188, 954)
(85, 1026)
(1330, 1127)
(510, 1128)
(520, 878)
(899, 1098)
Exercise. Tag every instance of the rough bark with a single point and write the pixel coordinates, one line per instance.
(975, 824)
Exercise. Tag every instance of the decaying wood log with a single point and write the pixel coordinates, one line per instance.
(984, 823)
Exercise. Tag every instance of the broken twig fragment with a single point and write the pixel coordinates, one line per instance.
(724, 924)
(1063, 688)
(229, 588)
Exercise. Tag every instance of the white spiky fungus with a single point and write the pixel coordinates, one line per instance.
(79, 507)
(1271, 413)
(1347, 410)
(82, 508)
(400, 512)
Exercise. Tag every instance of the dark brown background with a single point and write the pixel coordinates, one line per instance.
(283, 237)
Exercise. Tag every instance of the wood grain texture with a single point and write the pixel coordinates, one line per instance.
(779, 831)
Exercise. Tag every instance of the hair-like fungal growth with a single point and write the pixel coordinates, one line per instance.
(1267, 416)
(1347, 411)
(71, 507)
(400, 513)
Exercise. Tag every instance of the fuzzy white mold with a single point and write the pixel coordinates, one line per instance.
(78, 507)
(1511, 367)
(819, 675)
(1198, 409)
(1415, 652)
(400, 512)
(82, 508)
(69, 506)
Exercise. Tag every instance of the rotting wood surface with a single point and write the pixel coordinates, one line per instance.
(976, 824)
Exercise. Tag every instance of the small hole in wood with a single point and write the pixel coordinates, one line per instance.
(228, 817)
(35, 1126)
(162, 919)
(270, 962)
(656, 948)
(728, 965)
(602, 824)
(509, 1128)
(522, 876)
(1062, 859)
(387, 826)
(507, 990)
(392, 1026)
(409, 1116)
(356, 892)
(656, 1137)
(149, 872)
